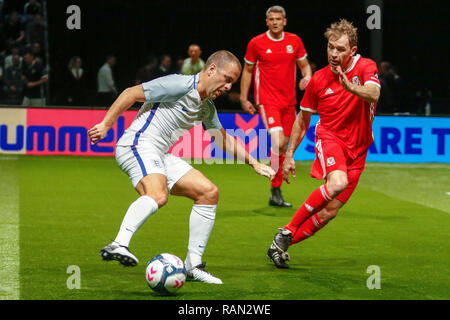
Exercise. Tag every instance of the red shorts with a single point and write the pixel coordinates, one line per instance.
(330, 156)
(278, 118)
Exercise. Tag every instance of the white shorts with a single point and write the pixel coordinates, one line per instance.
(137, 162)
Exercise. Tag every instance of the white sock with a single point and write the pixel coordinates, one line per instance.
(201, 223)
(136, 215)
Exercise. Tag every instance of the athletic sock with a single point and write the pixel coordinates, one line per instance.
(316, 201)
(201, 223)
(308, 228)
(136, 215)
(276, 163)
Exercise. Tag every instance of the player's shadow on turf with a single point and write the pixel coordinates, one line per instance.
(271, 211)
(325, 263)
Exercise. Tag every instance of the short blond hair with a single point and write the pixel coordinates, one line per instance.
(342, 27)
(279, 9)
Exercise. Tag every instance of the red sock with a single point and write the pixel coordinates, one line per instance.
(316, 201)
(308, 228)
(276, 163)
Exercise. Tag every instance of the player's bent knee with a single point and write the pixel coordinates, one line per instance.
(213, 193)
(160, 198)
(337, 185)
(210, 194)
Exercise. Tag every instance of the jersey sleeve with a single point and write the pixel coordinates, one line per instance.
(251, 56)
(370, 74)
(167, 89)
(301, 51)
(310, 99)
(211, 119)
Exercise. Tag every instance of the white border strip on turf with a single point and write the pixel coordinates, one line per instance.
(9, 231)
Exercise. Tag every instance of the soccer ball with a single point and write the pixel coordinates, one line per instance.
(165, 273)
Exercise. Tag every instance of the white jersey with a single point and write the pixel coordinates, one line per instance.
(172, 108)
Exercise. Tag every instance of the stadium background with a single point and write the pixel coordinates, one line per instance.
(413, 37)
(58, 211)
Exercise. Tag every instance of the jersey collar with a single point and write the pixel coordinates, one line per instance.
(272, 38)
(355, 60)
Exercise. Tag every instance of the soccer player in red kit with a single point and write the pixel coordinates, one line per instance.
(344, 94)
(271, 58)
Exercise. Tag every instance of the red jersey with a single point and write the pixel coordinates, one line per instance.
(275, 67)
(343, 116)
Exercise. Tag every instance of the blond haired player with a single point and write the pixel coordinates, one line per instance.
(344, 94)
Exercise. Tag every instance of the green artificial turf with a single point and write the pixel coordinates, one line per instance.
(70, 207)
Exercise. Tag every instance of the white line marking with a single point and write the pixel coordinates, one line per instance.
(9, 231)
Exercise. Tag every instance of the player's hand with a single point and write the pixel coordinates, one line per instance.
(247, 106)
(98, 132)
(264, 170)
(344, 80)
(288, 167)
(304, 83)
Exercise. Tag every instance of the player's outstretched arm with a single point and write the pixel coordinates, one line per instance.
(125, 100)
(230, 145)
(299, 130)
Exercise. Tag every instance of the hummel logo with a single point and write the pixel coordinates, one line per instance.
(329, 91)
(269, 51)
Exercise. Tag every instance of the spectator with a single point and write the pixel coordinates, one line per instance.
(75, 85)
(107, 91)
(147, 72)
(386, 100)
(14, 81)
(194, 64)
(32, 8)
(34, 30)
(35, 77)
(13, 28)
(2, 4)
(36, 48)
(395, 96)
(15, 50)
(164, 66)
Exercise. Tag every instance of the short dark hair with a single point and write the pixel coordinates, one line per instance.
(221, 58)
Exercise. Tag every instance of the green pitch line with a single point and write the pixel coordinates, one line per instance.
(71, 207)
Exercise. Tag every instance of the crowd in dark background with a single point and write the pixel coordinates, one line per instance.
(22, 43)
(75, 80)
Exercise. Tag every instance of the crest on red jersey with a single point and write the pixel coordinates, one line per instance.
(289, 49)
(355, 80)
(330, 161)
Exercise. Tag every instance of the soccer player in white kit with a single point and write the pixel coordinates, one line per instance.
(173, 104)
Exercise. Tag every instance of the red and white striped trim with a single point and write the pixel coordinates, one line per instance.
(263, 116)
(320, 156)
(257, 81)
(272, 38)
(302, 58)
(308, 109)
(316, 222)
(372, 82)
(274, 129)
(325, 194)
(248, 61)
